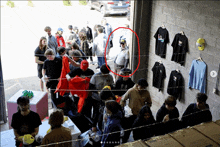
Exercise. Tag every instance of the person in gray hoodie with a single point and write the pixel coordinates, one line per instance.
(99, 45)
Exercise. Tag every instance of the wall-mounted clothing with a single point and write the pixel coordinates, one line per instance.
(180, 48)
(197, 76)
(162, 38)
(159, 74)
(175, 84)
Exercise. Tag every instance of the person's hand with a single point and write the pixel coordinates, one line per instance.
(68, 77)
(94, 129)
(45, 78)
(166, 118)
(20, 138)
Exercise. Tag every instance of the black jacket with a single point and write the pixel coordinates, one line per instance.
(170, 126)
(123, 86)
(89, 34)
(144, 132)
(193, 116)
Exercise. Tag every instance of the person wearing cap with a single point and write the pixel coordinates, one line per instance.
(138, 96)
(198, 112)
(122, 59)
(82, 72)
(123, 83)
(51, 40)
(99, 46)
(25, 121)
(59, 37)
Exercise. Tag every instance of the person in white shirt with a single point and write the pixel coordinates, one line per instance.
(99, 45)
(122, 59)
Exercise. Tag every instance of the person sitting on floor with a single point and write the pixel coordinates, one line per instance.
(168, 114)
(25, 121)
(58, 133)
(144, 118)
(197, 113)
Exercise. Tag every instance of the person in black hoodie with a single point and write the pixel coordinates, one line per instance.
(197, 113)
(123, 83)
(144, 118)
(168, 116)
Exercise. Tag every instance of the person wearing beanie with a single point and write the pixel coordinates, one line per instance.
(82, 71)
(138, 96)
(123, 83)
(198, 112)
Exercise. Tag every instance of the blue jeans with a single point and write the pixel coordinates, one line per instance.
(101, 61)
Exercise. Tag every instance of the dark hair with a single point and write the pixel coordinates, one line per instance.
(23, 99)
(106, 93)
(75, 46)
(144, 109)
(60, 50)
(104, 69)
(41, 45)
(56, 118)
(201, 97)
(100, 29)
(170, 101)
(142, 82)
(113, 106)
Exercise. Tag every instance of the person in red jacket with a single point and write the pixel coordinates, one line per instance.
(59, 37)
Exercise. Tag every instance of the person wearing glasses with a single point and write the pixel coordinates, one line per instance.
(122, 59)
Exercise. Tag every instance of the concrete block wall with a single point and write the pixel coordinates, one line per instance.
(198, 19)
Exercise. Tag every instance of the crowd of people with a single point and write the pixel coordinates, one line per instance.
(95, 102)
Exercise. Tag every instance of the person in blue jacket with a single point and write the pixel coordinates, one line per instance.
(113, 124)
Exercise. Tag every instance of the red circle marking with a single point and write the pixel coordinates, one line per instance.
(138, 52)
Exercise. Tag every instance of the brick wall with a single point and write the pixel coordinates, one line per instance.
(198, 19)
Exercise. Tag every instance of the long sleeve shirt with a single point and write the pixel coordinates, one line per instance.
(197, 76)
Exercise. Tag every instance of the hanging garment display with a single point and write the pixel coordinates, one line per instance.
(175, 84)
(159, 74)
(215, 90)
(197, 75)
(162, 38)
(180, 48)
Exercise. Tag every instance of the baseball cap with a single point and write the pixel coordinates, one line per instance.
(70, 27)
(84, 65)
(122, 41)
(60, 29)
(125, 70)
(201, 44)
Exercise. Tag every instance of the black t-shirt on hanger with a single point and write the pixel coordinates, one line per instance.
(159, 74)
(180, 47)
(162, 38)
(175, 84)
